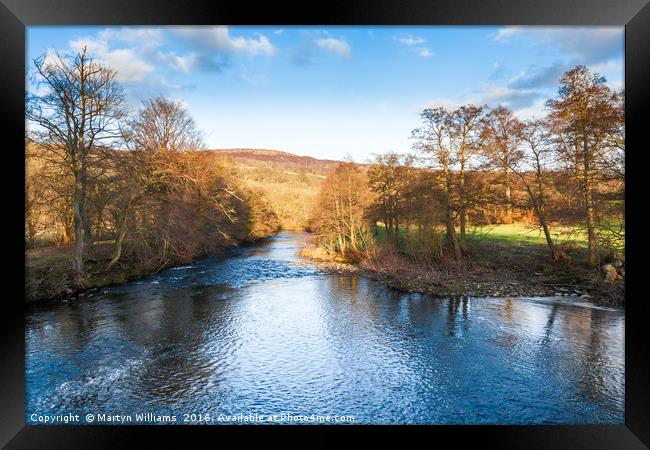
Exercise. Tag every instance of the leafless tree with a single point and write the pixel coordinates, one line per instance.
(164, 125)
(587, 119)
(75, 113)
(389, 178)
(500, 136)
(535, 156)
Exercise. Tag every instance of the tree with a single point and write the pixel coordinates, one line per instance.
(164, 125)
(587, 119)
(464, 138)
(535, 157)
(389, 178)
(158, 134)
(434, 140)
(342, 203)
(500, 135)
(77, 115)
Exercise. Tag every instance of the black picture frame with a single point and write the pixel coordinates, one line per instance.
(15, 15)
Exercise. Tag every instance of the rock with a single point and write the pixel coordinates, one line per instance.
(606, 267)
(611, 274)
(585, 296)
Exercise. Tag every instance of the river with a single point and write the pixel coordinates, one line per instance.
(256, 333)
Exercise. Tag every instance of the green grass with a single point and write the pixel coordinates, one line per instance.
(512, 235)
(518, 234)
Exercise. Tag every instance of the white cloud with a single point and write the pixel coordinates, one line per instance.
(218, 39)
(540, 77)
(588, 44)
(411, 40)
(138, 54)
(337, 46)
(607, 66)
(129, 65)
(506, 33)
(415, 41)
(142, 36)
(182, 63)
(512, 98)
(518, 100)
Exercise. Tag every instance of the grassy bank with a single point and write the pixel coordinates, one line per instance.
(49, 274)
(501, 261)
(515, 234)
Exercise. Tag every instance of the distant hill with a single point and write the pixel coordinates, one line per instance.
(278, 160)
(290, 182)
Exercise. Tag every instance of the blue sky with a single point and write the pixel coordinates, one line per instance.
(329, 92)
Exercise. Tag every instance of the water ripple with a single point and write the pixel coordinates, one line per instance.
(256, 333)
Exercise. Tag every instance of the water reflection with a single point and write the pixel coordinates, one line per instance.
(257, 333)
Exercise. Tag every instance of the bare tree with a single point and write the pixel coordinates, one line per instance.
(535, 157)
(434, 140)
(75, 114)
(164, 125)
(389, 177)
(340, 215)
(587, 118)
(160, 130)
(500, 137)
(464, 144)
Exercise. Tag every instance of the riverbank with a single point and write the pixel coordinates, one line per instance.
(49, 275)
(503, 274)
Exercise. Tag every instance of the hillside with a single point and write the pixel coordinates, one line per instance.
(290, 182)
(277, 159)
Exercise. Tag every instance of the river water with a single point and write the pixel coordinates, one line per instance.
(255, 333)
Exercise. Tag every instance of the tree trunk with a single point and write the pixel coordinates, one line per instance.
(508, 196)
(549, 240)
(79, 226)
(117, 250)
(449, 219)
(591, 224)
(395, 222)
(388, 222)
(463, 210)
(539, 205)
(451, 234)
(88, 237)
(541, 215)
(589, 206)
